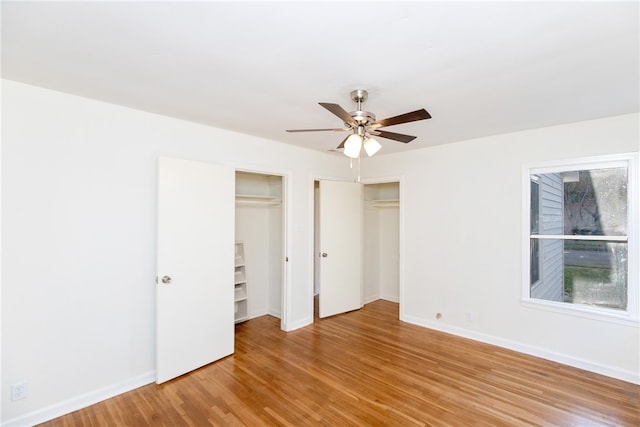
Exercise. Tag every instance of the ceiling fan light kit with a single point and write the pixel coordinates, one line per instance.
(352, 146)
(362, 125)
(371, 146)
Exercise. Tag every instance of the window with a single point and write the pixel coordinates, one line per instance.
(579, 235)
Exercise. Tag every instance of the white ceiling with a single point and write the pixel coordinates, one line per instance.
(480, 68)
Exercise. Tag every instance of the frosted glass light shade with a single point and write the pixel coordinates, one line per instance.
(371, 146)
(352, 146)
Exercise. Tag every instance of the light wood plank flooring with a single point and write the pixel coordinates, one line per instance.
(366, 368)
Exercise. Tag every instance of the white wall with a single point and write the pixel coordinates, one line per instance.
(371, 254)
(462, 207)
(389, 253)
(78, 239)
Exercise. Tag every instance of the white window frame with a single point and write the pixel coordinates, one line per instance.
(630, 316)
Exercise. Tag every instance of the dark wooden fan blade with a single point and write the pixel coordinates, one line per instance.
(402, 118)
(314, 130)
(340, 112)
(342, 143)
(395, 136)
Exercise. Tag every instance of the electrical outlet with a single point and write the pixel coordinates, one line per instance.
(18, 391)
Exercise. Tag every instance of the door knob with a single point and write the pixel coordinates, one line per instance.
(324, 255)
(166, 279)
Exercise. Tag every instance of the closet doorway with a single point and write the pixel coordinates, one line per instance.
(379, 244)
(338, 247)
(381, 224)
(260, 224)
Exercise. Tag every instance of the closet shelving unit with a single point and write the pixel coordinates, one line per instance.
(240, 296)
(384, 203)
(257, 200)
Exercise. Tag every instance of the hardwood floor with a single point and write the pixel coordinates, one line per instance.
(366, 368)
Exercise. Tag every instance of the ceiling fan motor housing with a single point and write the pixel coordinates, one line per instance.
(361, 117)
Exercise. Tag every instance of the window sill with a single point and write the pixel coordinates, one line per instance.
(602, 315)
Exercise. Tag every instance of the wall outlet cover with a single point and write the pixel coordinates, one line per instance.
(18, 391)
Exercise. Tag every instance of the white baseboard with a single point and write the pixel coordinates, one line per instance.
(292, 326)
(564, 359)
(82, 401)
(371, 298)
(265, 312)
(258, 313)
(275, 313)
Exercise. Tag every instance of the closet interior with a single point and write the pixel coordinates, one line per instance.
(381, 246)
(259, 245)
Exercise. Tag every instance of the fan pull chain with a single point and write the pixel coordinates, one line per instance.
(356, 178)
(356, 171)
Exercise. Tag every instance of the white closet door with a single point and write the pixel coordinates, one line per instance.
(195, 259)
(340, 247)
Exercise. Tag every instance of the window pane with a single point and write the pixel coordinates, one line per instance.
(550, 258)
(535, 206)
(535, 261)
(585, 202)
(597, 203)
(596, 273)
(547, 210)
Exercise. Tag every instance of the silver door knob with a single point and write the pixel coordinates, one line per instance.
(324, 255)
(166, 279)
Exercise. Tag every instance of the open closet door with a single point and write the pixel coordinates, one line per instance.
(195, 256)
(340, 247)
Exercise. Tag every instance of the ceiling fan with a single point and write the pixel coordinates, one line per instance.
(362, 126)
